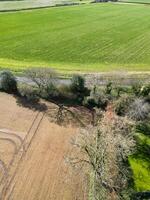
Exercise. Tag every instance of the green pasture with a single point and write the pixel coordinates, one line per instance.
(94, 37)
(140, 164)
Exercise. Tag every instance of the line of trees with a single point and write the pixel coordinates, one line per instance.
(108, 141)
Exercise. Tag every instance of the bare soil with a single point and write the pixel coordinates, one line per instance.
(33, 151)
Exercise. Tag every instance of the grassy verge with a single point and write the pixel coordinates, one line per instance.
(140, 164)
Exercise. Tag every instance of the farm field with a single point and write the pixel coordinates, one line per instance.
(32, 155)
(101, 37)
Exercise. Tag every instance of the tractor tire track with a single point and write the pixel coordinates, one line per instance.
(15, 150)
(4, 169)
(3, 181)
(28, 143)
(15, 136)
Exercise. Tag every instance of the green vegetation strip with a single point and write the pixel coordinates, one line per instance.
(140, 165)
(96, 37)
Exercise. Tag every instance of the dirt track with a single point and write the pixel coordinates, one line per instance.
(38, 170)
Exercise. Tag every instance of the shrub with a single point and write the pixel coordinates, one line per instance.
(65, 92)
(97, 98)
(136, 89)
(139, 110)
(8, 82)
(121, 106)
(145, 90)
(147, 98)
(30, 93)
(78, 87)
(141, 90)
(108, 88)
(49, 92)
(77, 83)
(143, 127)
(119, 90)
(89, 102)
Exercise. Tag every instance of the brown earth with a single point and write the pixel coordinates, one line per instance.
(33, 152)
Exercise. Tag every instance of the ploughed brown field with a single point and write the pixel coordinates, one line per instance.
(33, 151)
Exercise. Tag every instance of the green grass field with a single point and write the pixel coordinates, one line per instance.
(95, 37)
(140, 164)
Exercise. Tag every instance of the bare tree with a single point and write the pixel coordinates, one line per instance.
(41, 77)
(106, 148)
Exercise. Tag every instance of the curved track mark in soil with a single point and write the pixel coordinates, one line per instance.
(12, 142)
(13, 134)
(4, 191)
(4, 168)
(22, 142)
(15, 151)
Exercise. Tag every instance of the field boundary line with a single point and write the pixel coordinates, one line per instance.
(42, 7)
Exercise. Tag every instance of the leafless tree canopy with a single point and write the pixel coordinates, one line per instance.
(106, 148)
(42, 77)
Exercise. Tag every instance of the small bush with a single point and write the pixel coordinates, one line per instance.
(89, 102)
(119, 90)
(49, 92)
(147, 98)
(29, 93)
(143, 127)
(77, 83)
(121, 106)
(141, 90)
(97, 98)
(65, 92)
(8, 82)
(136, 89)
(78, 87)
(139, 110)
(145, 90)
(109, 88)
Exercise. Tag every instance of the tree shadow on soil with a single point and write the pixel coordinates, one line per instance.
(36, 106)
(62, 114)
